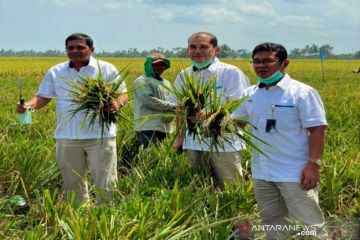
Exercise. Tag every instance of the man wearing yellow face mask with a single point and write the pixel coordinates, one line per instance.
(150, 100)
(225, 163)
(290, 117)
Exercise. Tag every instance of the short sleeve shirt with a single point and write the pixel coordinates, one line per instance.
(231, 82)
(55, 85)
(280, 116)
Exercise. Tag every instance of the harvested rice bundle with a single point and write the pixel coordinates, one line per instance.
(206, 117)
(191, 97)
(93, 97)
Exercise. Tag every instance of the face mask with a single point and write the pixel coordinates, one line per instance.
(272, 79)
(148, 68)
(203, 64)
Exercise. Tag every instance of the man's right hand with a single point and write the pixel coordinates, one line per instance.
(36, 102)
(20, 108)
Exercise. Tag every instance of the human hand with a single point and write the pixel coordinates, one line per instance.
(20, 107)
(114, 107)
(310, 176)
(199, 115)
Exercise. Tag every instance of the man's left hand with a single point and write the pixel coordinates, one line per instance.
(310, 176)
(114, 106)
(199, 115)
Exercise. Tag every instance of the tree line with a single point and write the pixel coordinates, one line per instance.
(309, 51)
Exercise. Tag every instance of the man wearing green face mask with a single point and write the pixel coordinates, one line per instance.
(150, 100)
(225, 162)
(290, 117)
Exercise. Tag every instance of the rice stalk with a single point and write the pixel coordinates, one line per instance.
(195, 95)
(93, 98)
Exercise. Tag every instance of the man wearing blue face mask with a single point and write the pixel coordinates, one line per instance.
(225, 163)
(290, 117)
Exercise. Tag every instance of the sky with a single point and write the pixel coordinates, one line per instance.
(148, 24)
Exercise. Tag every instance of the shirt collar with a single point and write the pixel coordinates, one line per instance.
(195, 69)
(211, 67)
(282, 83)
(92, 63)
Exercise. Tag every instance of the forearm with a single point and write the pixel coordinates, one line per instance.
(37, 102)
(316, 142)
(178, 122)
(158, 104)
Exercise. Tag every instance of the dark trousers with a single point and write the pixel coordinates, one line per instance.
(147, 137)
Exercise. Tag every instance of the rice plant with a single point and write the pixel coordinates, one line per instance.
(206, 115)
(94, 96)
(159, 196)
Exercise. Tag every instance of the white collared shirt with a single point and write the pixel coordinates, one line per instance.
(295, 107)
(54, 85)
(231, 82)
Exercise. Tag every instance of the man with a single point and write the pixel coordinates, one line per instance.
(78, 149)
(290, 117)
(150, 100)
(231, 81)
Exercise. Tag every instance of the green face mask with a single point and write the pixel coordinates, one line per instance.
(148, 69)
(272, 79)
(203, 64)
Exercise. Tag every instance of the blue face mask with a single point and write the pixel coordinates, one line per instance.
(272, 79)
(203, 64)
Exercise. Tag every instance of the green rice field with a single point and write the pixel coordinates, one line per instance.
(158, 195)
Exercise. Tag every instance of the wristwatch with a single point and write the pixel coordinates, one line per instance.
(316, 161)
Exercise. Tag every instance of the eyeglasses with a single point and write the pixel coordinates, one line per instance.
(265, 62)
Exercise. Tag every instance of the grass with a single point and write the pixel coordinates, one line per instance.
(158, 195)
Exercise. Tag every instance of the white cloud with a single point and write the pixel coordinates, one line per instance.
(98, 5)
(180, 2)
(164, 14)
(264, 9)
(219, 15)
(294, 23)
(111, 6)
(205, 15)
(63, 3)
(345, 11)
(300, 21)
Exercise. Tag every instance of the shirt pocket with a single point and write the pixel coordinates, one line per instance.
(287, 116)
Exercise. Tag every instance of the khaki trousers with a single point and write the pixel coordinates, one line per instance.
(284, 203)
(76, 158)
(226, 166)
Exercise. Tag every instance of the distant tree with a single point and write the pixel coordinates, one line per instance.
(309, 51)
(295, 53)
(145, 53)
(225, 51)
(313, 50)
(357, 55)
(243, 53)
(159, 50)
(327, 49)
(54, 53)
(181, 53)
(305, 51)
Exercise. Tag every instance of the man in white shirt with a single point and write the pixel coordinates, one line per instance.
(231, 81)
(290, 117)
(78, 149)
